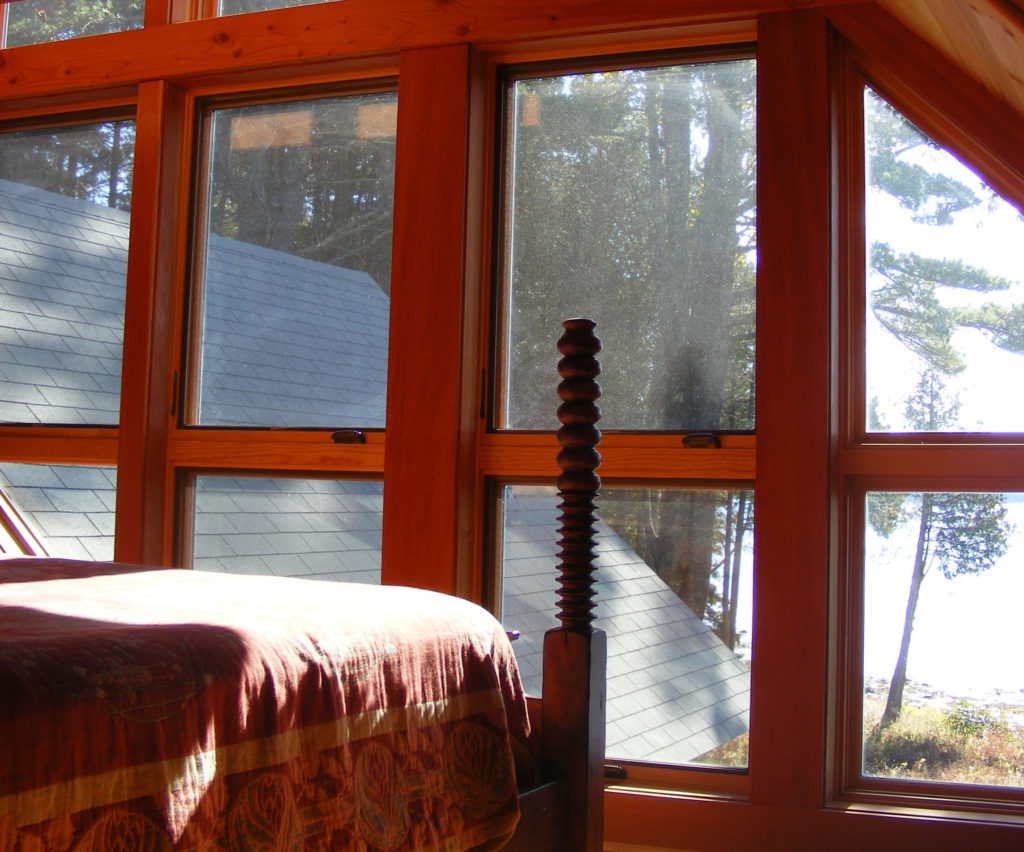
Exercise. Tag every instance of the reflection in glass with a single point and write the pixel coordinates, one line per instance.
(234, 7)
(35, 21)
(674, 596)
(321, 529)
(630, 200)
(65, 195)
(942, 677)
(67, 510)
(297, 263)
(945, 291)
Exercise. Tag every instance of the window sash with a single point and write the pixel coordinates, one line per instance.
(872, 461)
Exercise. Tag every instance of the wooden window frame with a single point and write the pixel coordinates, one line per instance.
(796, 792)
(875, 461)
(629, 458)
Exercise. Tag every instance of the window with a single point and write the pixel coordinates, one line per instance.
(942, 688)
(292, 318)
(65, 511)
(678, 683)
(945, 296)
(233, 7)
(211, 442)
(629, 199)
(289, 334)
(324, 529)
(67, 194)
(63, 259)
(33, 21)
(935, 585)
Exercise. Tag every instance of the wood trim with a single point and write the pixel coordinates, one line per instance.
(274, 449)
(147, 386)
(985, 37)
(791, 498)
(17, 538)
(426, 441)
(157, 12)
(647, 463)
(660, 820)
(326, 32)
(59, 445)
(990, 467)
(189, 10)
(949, 106)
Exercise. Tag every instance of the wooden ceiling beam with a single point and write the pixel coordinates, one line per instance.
(330, 31)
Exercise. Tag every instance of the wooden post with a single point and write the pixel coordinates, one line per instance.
(575, 654)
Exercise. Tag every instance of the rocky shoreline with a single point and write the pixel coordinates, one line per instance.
(918, 694)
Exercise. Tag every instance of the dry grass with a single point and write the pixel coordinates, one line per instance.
(967, 744)
(733, 754)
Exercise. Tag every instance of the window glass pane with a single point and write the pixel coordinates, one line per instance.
(945, 287)
(294, 312)
(233, 7)
(67, 509)
(65, 193)
(323, 529)
(630, 200)
(943, 681)
(34, 21)
(674, 596)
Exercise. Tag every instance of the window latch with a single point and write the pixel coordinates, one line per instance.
(702, 440)
(348, 436)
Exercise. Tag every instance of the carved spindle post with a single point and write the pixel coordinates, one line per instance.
(575, 654)
(578, 459)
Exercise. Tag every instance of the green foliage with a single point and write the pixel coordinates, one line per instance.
(967, 744)
(326, 195)
(35, 21)
(932, 197)
(909, 304)
(914, 300)
(968, 719)
(92, 162)
(885, 511)
(970, 532)
(1003, 324)
(916, 745)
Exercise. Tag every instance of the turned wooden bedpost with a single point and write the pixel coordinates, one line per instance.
(575, 654)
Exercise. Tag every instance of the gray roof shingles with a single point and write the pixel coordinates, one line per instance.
(674, 690)
(667, 696)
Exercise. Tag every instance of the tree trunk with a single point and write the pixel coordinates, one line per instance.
(736, 531)
(894, 701)
(115, 164)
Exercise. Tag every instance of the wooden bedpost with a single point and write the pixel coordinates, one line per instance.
(575, 654)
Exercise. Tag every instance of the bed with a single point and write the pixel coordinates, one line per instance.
(165, 709)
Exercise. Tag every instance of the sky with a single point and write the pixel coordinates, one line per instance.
(967, 631)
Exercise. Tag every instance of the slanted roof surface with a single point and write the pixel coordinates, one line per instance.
(288, 341)
(291, 342)
(62, 274)
(675, 691)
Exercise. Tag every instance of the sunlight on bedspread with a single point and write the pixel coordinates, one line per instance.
(176, 709)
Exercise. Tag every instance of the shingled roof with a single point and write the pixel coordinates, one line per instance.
(675, 691)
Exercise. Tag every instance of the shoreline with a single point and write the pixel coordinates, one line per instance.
(921, 694)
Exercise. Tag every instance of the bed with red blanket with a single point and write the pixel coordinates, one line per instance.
(144, 710)
(139, 712)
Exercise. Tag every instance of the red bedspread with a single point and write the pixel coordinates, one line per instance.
(157, 710)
